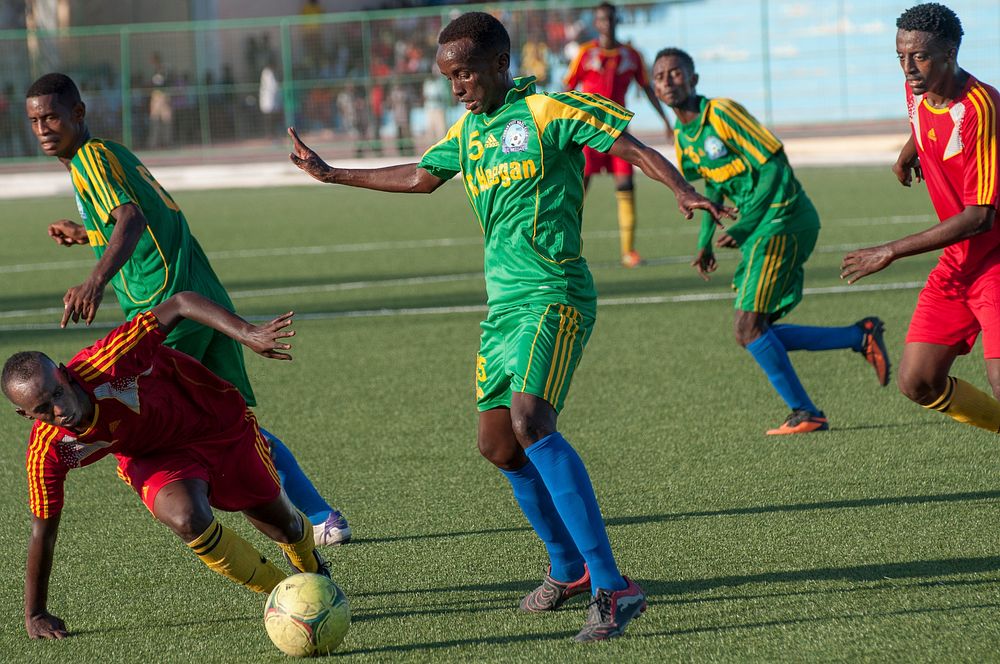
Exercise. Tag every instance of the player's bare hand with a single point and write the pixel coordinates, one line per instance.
(726, 241)
(67, 233)
(266, 339)
(82, 302)
(307, 160)
(907, 171)
(690, 200)
(862, 262)
(704, 261)
(45, 626)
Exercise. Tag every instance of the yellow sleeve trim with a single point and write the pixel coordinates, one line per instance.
(547, 109)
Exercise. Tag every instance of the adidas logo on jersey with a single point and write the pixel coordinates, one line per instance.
(932, 134)
(491, 142)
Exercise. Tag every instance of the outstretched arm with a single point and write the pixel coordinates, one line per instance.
(404, 178)
(656, 166)
(973, 220)
(41, 549)
(262, 339)
(83, 301)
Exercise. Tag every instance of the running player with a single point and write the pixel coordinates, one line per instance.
(953, 117)
(184, 439)
(607, 67)
(718, 140)
(520, 159)
(147, 252)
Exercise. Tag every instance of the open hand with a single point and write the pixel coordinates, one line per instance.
(862, 262)
(265, 339)
(691, 200)
(83, 302)
(45, 626)
(67, 233)
(307, 160)
(704, 261)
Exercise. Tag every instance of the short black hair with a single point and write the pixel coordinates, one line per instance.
(675, 52)
(21, 367)
(486, 32)
(934, 18)
(55, 84)
(607, 6)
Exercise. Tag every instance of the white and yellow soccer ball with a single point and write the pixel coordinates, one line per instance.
(307, 614)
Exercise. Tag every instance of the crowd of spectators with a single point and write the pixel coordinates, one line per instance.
(373, 84)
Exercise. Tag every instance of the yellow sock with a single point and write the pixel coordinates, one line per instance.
(300, 553)
(964, 403)
(233, 557)
(626, 220)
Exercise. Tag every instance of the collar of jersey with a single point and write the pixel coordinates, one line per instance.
(695, 124)
(522, 88)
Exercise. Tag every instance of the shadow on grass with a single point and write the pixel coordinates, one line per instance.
(858, 573)
(499, 639)
(816, 619)
(194, 622)
(966, 496)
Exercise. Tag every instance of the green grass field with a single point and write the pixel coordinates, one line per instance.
(877, 541)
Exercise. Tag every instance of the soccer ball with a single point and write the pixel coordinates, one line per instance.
(307, 614)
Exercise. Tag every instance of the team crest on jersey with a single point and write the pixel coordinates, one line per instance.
(515, 137)
(715, 148)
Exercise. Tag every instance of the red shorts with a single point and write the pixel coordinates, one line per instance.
(956, 316)
(239, 472)
(598, 162)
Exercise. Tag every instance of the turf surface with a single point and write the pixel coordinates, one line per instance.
(876, 541)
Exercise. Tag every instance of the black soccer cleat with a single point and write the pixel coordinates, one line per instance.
(609, 612)
(552, 594)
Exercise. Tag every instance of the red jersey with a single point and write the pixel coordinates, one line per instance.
(957, 147)
(606, 71)
(148, 399)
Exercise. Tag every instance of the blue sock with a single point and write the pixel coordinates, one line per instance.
(801, 337)
(300, 490)
(566, 478)
(536, 503)
(773, 359)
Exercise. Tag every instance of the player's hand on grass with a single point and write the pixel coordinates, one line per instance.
(907, 171)
(266, 339)
(307, 160)
(704, 261)
(690, 200)
(82, 302)
(67, 233)
(45, 626)
(862, 262)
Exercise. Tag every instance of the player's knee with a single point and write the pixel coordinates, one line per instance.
(917, 388)
(502, 453)
(187, 524)
(529, 429)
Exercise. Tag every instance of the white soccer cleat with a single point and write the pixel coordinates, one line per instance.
(333, 531)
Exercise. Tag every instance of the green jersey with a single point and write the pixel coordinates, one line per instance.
(742, 160)
(522, 167)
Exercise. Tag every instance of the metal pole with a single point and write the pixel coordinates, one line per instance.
(766, 61)
(287, 84)
(126, 85)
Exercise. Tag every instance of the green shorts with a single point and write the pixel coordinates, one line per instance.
(771, 273)
(534, 348)
(222, 355)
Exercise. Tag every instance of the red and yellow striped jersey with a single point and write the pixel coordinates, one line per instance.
(957, 147)
(606, 71)
(148, 399)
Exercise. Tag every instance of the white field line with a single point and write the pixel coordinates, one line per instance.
(361, 247)
(432, 311)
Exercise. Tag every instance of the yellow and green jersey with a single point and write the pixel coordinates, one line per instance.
(742, 160)
(522, 167)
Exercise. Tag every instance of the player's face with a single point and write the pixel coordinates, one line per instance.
(928, 64)
(56, 126)
(51, 397)
(604, 22)
(477, 79)
(672, 81)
